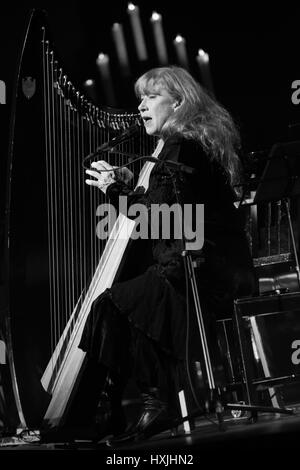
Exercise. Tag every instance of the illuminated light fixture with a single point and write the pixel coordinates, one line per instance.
(159, 39)
(180, 47)
(137, 31)
(120, 44)
(202, 59)
(104, 70)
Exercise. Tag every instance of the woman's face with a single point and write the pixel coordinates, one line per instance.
(155, 108)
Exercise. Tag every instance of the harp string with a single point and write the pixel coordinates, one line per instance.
(75, 128)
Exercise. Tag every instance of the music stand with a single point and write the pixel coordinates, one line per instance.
(280, 181)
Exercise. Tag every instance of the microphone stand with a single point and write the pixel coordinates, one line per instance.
(214, 392)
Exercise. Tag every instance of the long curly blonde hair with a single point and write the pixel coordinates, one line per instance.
(199, 116)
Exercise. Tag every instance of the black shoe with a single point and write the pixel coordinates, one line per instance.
(154, 419)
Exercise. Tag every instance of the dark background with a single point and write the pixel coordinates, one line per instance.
(254, 57)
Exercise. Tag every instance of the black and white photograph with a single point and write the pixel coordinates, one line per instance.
(149, 232)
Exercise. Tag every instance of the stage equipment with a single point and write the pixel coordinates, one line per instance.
(215, 402)
(280, 182)
(268, 334)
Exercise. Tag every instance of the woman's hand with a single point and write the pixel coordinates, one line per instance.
(104, 175)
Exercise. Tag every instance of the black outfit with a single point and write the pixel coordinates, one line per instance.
(139, 325)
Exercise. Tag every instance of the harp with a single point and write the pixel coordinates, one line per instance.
(56, 264)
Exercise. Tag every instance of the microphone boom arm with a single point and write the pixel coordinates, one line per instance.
(111, 144)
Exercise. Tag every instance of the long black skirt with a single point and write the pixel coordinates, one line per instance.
(148, 303)
(154, 306)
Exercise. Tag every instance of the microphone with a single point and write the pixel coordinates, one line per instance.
(175, 165)
(108, 146)
(129, 132)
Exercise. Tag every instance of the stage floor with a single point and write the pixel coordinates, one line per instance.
(272, 437)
